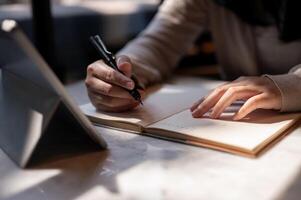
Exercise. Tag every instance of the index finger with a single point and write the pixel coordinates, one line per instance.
(108, 74)
(258, 101)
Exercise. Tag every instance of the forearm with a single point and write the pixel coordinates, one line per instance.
(157, 50)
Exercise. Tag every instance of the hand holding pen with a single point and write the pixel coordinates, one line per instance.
(111, 86)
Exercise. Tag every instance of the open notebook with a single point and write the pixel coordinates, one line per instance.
(166, 114)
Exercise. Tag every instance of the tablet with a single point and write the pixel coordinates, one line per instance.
(37, 116)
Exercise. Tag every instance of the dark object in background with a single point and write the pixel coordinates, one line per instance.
(285, 14)
(44, 34)
(202, 52)
(200, 59)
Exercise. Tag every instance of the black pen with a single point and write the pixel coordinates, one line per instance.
(110, 60)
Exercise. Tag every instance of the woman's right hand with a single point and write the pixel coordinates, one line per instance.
(107, 87)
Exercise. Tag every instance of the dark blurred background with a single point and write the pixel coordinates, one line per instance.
(63, 39)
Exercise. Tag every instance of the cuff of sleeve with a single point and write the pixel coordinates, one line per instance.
(290, 89)
(145, 74)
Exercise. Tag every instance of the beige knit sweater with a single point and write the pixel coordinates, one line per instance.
(242, 49)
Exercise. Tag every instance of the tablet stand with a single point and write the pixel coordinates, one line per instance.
(36, 124)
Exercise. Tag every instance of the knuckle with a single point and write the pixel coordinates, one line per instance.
(109, 75)
(91, 69)
(253, 102)
(219, 89)
(115, 75)
(89, 83)
(108, 89)
(232, 90)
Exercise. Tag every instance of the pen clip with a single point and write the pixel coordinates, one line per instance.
(102, 45)
(107, 56)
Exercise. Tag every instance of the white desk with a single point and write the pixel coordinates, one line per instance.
(139, 167)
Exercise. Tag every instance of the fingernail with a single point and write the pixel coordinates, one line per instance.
(235, 117)
(194, 113)
(130, 85)
(212, 115)
(122, 60)
(119, 60)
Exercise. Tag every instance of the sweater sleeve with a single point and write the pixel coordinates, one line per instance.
(290, 88)
(158, 49)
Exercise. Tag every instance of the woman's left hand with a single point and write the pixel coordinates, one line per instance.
(258, 92)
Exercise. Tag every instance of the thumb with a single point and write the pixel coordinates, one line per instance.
(125, 65)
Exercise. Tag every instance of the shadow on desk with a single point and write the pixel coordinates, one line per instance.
(293, 191)
(80, 174)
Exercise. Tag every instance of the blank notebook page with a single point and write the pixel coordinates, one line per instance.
(247, 134)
